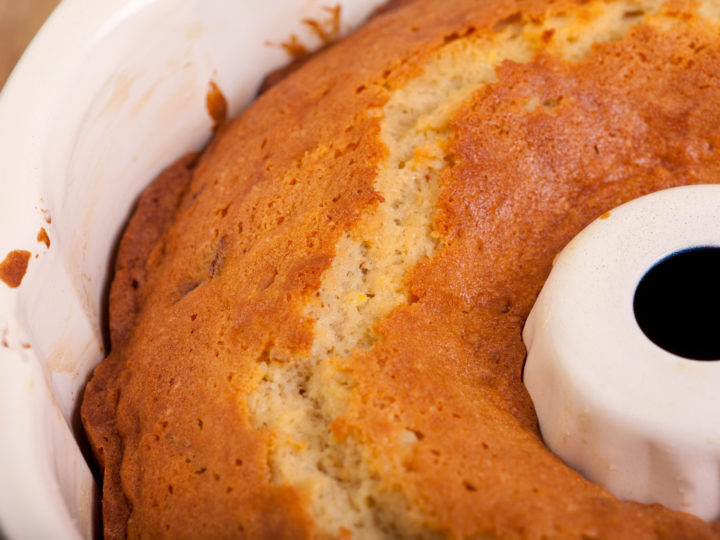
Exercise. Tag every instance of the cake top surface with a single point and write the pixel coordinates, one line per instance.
(316, 324)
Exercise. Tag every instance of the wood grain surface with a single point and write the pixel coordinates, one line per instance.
(19, 20)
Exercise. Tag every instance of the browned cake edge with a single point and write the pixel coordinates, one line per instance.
(153, 214)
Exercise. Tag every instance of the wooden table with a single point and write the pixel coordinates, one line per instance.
(19, 20)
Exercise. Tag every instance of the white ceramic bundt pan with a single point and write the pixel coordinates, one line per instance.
(107, 94)
(632, 417)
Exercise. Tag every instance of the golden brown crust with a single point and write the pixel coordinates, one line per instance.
(223, 269)
(150, 220)
(152, 216)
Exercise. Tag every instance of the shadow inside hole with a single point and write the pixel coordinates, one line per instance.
(677, 303)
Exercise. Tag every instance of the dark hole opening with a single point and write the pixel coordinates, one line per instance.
(677, 303)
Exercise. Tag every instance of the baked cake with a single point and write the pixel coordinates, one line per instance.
(316, 323)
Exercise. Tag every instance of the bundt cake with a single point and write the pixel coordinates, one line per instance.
(316, 322)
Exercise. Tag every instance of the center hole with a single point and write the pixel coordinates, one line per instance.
(677, 303)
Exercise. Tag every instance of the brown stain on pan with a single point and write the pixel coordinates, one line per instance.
(43, 237)
(327, 31)
(216, 105)
(13, 267)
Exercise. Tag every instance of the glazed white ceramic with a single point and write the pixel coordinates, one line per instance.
(108, 93)
(630, 416)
